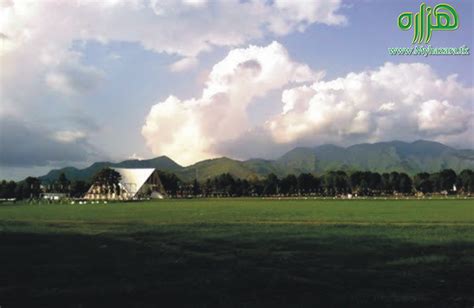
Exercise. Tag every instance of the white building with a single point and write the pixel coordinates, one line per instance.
(54, 196)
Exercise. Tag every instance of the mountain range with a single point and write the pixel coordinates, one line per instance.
(411, 158)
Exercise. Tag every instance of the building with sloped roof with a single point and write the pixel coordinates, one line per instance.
(136, 183)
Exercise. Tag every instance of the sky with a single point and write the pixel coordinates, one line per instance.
(84, 81)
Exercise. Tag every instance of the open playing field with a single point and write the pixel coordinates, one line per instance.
(239, 253)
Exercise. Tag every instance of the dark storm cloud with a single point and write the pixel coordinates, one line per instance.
(24, 145)
(81, 121)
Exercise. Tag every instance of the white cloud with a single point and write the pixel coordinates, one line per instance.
(404, 101)
(37, 35)
(196, 3)
(183, 27)
(437, 117)
(394, 101)
(189, 130)
(184, 64)
(37, 40)
(135, 156)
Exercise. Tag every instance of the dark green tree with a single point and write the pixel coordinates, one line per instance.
(78, 189)
(405, 185)
(435, 179)
(386, 187)
(423, 183)
(394, 182)
(356, 179)
(306, 183)
(28, 189)
(342, 182)
(288, 185)
(196, 188)
(7, 189)
(375, 182)
(62, 184)
(448, 179)
(256, 187)
(170, 182)
(225, 184)
(108, 179)
(336, 182)
(208, 188)
(466, 181)
(271, 185)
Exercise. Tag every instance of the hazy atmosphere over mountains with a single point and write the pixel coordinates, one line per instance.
(419, 156)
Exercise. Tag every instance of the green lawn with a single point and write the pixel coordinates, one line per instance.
(239, 253)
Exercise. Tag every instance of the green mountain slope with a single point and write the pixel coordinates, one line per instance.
(399, 156)
(212, 167)
(297, 161)
(163, 163)
(394, 156)
(262, 167)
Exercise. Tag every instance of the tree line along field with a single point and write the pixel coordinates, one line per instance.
(332, 183)
(239, 253)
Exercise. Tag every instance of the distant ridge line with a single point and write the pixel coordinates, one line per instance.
(408, 157)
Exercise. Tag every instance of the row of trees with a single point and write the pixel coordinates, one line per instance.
(74, 189)
(28, 188)
(31, 188)
(364, 183)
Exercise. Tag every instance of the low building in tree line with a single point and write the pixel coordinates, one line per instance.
(54, 196)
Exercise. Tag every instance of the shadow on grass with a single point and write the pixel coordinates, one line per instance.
(208, 266)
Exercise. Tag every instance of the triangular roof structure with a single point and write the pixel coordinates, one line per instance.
(133, 179)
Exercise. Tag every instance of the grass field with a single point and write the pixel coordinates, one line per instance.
(239, 253)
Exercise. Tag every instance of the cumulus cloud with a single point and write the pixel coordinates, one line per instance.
(443, 117)
(38, 37)
(394, 101)
(189, 130)
(404, 101)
